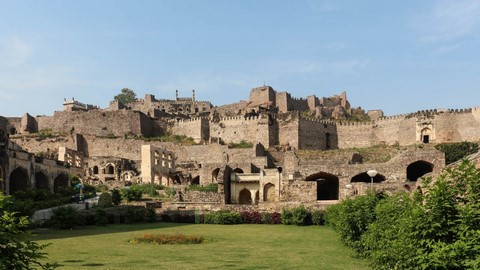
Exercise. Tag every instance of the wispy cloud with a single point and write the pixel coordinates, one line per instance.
(449, 21)
(14, 51)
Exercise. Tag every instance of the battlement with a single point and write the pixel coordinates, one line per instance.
(74, 105)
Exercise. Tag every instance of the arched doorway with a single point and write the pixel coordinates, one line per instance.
(269, 193)
(196, 180)
(60, 182)
(215, 175)
(365, 178)
(418, 169)
(41, 181)
(426, 135)
(19, 180)
(238, 170)
(245, 197)
(95, 169)
(109, 169)
(327, 185)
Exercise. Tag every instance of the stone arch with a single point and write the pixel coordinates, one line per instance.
(61, 182)
(327, 185)
(19, 180)
(426, 135)
(418, 169)
(269, 193)
(238, 170)
(110, 169)
(215, 175)
(245, 197)
(42, 181)
(95, 169)
(365, 178)
(177, 179)
(196, 180)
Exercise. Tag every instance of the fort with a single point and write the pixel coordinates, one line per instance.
(270, 151)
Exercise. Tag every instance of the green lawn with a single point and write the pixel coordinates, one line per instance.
(228, 247)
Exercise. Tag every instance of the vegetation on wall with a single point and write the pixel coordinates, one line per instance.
(456, 151)
(436, 229)
(241, 144)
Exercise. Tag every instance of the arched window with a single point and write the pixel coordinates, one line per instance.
(95, 169)
(418, 169)
(215, 175)
(327, 185)
(19, 180)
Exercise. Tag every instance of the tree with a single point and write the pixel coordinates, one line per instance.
(17, 252)
(126, 96)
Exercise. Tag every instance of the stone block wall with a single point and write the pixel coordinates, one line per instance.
(196, 128)
(236, 129)
(100, 123)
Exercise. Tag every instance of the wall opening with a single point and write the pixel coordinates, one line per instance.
(245, 197)
(215, 175)
(41, 181)
(60, 182)
(418, 169)
(327, 185)
(269, 193)
(426, 139)
(196, 180)
(95, 169)
(327, 141)
(19, 180)
(365, 178)
(238, 170)
(109, 169)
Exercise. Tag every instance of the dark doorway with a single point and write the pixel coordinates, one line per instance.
(418, 169)
(95, 169)
(238, 170)
(60, 182)
(426, 139)
(327, 141)
(327, 186)
(196, 180)
(215, 175)
(110, 169)
(19, 180)
(365, 178)
(41, 181)
(245, 197)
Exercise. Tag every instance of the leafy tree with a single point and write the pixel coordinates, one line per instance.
(17, 252)
(105, 200)
(456, 151)
(126, 96)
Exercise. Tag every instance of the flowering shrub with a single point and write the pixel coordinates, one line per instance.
(166, 239)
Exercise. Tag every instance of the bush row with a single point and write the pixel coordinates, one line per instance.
(434, 229)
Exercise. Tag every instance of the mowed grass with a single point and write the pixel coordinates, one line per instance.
(227, 247)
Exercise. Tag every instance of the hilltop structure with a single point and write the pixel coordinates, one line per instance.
(267, 152)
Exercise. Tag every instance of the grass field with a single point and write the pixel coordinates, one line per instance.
(228, 247)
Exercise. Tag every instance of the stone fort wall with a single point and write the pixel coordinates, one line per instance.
(100, 123)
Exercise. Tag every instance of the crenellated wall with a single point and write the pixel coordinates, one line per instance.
(235, 129)
(196, 128)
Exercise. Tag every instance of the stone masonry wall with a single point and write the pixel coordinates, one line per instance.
(100, 123)
(236, 129)
(196, 128)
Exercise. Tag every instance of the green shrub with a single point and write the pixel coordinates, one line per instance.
(223, 217)
(66, 217)
(456, 151)
(296, 216)
(212, 187)
(318, 217)
(116, 197)
(150, 215)
(101, 218)
(105, 200)
(351, 217)
(134, 214)
(132, 193)
(101, 188)
(241, 144)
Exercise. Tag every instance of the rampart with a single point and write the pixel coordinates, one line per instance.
(100, 123)
(196, 128)
(236, 129)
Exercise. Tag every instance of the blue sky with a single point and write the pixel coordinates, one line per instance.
(398, 56)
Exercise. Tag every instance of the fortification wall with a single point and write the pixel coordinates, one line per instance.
(457, 126)
(288, 129)
(316, 135)
(233, 109)
(196, 128)
(101, 123)
(282, 100)
(262, 95)
(298, 104)
(235, 129)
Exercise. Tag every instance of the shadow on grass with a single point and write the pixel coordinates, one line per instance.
(47, 233)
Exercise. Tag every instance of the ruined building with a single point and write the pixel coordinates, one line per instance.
(270, 151)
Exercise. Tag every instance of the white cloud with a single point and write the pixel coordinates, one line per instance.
(14, 51)
(449, 21)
